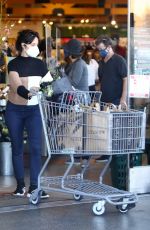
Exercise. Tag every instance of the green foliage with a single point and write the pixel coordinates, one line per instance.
(46, 87)
(92, 32)
(4, 133)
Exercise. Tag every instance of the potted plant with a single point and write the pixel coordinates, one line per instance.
(6, 167)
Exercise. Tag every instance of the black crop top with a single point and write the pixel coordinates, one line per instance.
(27, 66)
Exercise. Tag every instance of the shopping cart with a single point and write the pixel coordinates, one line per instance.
(81, 125)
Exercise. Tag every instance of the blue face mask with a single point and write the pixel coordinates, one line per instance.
(103, 53)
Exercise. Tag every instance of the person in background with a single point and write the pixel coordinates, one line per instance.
(88, 46)
(96, 55)
(92, 67)
(6, 49)
(76, 70)
(118, 49)
(22, 111)
(2, 69)
(112, 75)
(46, 54)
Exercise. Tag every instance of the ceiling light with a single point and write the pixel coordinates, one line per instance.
(104, 28)
(70, 27)
(113, 22)
(44, 22)
(116, 26)
(51, 23)
(20, 21)
(87, 20)
(86, 36)
(3, 39)
(12, 25)
(82, 21)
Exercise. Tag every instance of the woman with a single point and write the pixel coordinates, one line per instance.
(92, 67)
(76, 69)
(22, 110)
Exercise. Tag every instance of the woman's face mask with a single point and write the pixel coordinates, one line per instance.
(32, 51)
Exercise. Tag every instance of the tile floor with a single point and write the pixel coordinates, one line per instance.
(61, 211)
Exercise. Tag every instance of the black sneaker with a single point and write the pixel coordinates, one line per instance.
(44, 195)
(20, 191)
(33, 188)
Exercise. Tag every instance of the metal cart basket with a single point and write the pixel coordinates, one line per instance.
(81, 125)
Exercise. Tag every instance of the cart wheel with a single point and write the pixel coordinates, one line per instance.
(35, 198)
(35, 201)
(77, 197)
(98, 209)
(125, 207)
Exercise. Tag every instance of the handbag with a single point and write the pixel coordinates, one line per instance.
(61, 85)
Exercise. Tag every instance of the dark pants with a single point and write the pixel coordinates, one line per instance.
(17, 118)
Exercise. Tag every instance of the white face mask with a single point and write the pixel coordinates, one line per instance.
(33, 51)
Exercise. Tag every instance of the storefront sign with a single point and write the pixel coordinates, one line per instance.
(139, 86)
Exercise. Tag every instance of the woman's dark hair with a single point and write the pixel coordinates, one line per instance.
(27, 37)
(86, 56)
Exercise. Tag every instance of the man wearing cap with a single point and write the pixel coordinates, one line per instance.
(77, 70)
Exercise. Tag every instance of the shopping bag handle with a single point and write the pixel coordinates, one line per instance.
(116, 108)
(123, 107)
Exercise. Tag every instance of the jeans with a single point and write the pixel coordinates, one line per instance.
(17, 118)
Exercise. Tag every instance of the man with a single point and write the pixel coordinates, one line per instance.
(112, 76)
(112, 73)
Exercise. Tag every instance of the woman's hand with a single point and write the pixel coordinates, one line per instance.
(34, 90)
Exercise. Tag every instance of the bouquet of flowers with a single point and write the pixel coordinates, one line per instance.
(55, 82)
(46, 83)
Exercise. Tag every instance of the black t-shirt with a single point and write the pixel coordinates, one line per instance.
(27, 66)
(111, 74)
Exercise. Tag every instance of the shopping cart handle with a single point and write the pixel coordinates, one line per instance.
(115, 108)
(34, 90)
(123, 107)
